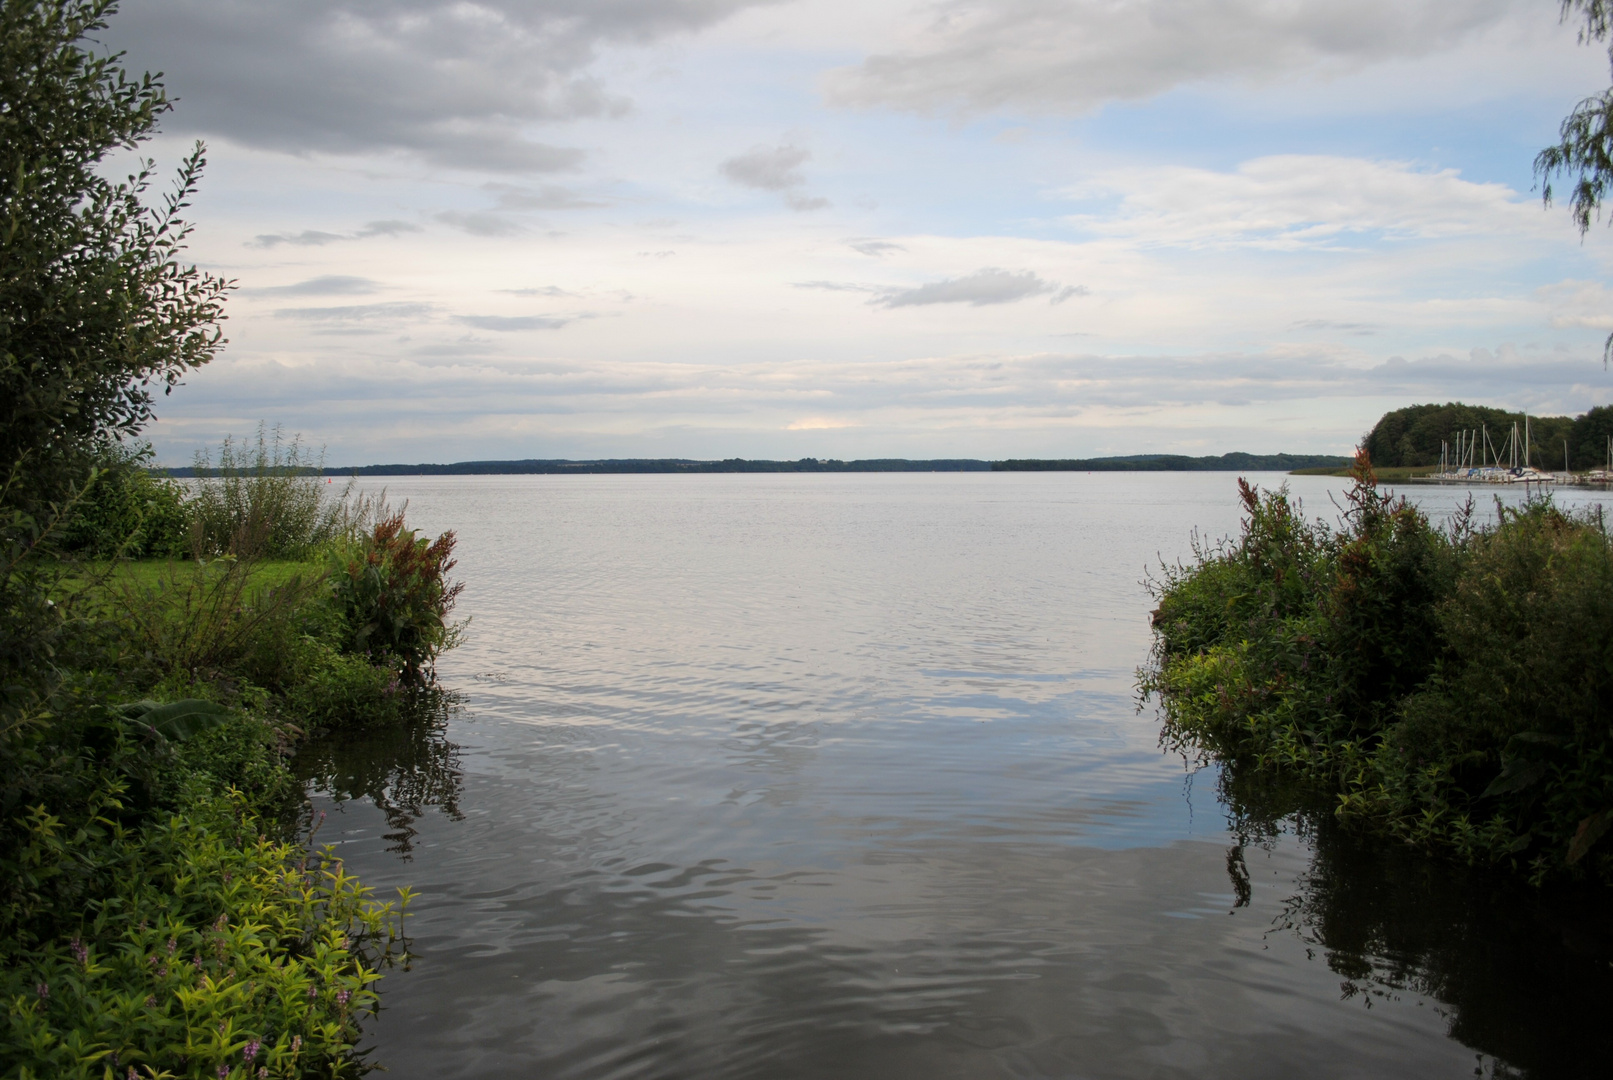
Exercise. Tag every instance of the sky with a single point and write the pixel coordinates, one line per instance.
(882, 228)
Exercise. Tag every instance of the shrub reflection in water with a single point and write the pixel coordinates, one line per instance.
(404, 769)
(1526, 973)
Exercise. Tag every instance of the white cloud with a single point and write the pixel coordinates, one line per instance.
(1071, 56)
(1289, 202)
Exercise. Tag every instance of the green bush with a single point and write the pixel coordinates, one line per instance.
(393, 593)
(340, 690)
(266, 500)
(127, 512)
(1448, 686)
(218, 953)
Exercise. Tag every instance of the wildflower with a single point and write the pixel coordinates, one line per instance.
(313, 992)
(223, 1072)
(250, 1051)
(263, 1072)
(197, 961)
(80, 952)
(43, 990)
(172, 945)
(342, 996)
(151, 1002)
(223, 921)
(296, 1043)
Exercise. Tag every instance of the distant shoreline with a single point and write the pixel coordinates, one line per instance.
(560, 467)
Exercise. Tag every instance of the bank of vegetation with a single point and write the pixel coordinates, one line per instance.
(1411, 438)
(163, 647)
(1448, 686)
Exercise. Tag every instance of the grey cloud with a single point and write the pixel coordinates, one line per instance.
(306, 238)
(453, 83)
(356, 312)
(386, 228)
(770, 170)
(315, 238)
(509, 323)
(328, 285)
(805, 202)
(1072, 56)
(480, 223)
(983, 287)
(874, 248)
(547, 197)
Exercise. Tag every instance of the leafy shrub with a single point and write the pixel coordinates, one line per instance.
(1452, 687)
(219, 953)
(265, 499)
(340, 690)
(125, 511)
(393, 593)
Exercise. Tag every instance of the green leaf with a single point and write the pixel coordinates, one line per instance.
(1515, 777)
(1590, 831)
(177, 720)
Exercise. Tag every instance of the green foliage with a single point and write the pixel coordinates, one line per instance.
(336, 690)
(392, 591)
(1412, 435)
(125, 511)
(1448, 686)
(94, 306)
(212, 619)
(267, 500)
(218, 953)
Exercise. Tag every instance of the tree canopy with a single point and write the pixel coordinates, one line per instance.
(96, 309)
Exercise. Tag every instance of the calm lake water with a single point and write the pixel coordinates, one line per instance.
(843, 776)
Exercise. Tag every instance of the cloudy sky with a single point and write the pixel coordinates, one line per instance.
(781, 228)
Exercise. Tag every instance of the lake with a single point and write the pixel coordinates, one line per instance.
(843, 775)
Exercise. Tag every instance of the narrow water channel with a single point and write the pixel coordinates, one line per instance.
(843, 776)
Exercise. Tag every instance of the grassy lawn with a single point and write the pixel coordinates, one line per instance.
(150, 574)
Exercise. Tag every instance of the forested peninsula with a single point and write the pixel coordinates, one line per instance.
(1412, 436)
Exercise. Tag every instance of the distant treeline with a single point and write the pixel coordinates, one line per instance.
(1178, 463)
(548, 466)
(1412, 436)
(544, 466)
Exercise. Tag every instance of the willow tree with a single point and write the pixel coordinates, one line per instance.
(96, 308)
(1583, 155)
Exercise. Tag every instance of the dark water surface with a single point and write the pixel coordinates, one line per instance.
(842, 776)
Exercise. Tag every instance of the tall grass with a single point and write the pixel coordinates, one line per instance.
(267, 497)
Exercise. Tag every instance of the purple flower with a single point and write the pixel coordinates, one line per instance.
(223, 1072)
(43, 990)
(80, 953)
(172, 945)
(197, 961)
(251, 1050)
(342, 996)
(313, 992)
